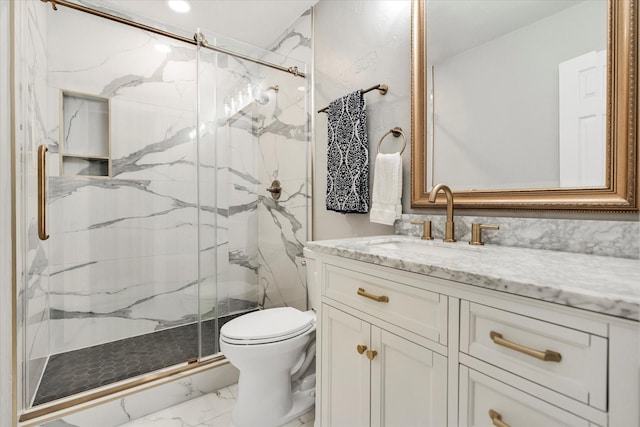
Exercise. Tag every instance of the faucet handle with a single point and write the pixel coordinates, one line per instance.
(476, 232)
(426, 229)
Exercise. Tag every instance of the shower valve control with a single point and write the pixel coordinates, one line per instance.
(275, 189)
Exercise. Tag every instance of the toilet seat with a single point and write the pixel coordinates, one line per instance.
(267, 326)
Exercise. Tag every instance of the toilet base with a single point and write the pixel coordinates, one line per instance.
(303, 401)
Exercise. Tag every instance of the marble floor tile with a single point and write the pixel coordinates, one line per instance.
(210, 410)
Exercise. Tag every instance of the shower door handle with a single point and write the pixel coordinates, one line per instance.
(42, 192)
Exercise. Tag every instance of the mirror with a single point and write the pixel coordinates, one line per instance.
(525, 104)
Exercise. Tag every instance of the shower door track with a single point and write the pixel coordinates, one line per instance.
(197, 40)
(47, 409)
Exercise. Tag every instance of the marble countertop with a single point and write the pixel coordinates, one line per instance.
(602, 284)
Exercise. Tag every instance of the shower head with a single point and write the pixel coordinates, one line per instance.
(261, 95)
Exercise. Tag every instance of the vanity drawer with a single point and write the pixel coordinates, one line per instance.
(414, 309)
(504, 339)
(484, 399)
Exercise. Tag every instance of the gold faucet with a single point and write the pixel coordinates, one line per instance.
(449, 236)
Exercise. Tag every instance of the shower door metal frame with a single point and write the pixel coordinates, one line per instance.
(197, 40)
(41, 411)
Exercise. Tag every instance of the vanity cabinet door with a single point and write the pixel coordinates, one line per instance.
(408, 383)
(388, 381)
(345, 372)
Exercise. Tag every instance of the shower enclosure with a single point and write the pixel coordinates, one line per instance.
(143, 163)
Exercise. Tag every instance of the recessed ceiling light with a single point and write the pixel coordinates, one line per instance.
(302, 88)
(180, 6)
(162, 48)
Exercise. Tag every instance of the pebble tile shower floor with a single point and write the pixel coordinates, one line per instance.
(85, 369)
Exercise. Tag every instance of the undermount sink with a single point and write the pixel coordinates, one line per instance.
(423, 247)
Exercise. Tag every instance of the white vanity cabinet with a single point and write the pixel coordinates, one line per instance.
(452, 354)
(484, 401)
(379, 364)
(524, 365)
(393, 382)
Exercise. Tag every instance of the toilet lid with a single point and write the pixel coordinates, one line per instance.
(269, 325)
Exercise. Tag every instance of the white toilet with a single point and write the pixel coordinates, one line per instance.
(272, 348)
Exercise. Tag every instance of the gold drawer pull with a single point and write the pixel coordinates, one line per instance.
(496, 419)
(361, 348)
(379, 298)
(371, 354)
(547, 355)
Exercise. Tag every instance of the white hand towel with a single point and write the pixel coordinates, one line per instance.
(386, 205)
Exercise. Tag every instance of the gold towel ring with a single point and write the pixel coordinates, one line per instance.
(396, 131)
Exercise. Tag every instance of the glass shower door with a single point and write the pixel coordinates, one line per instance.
(160, 226)
(256, 129)
(113, 292)
(209, 235)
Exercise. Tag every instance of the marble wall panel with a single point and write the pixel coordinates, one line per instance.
(227, 186)
(146, 135)
(256, 144)
(240, 158)
(295, 41)
(99, 224)
(608, 238)
(114, 299)
(125, 247)
(284, 138)
(108, 59)
(281, 273)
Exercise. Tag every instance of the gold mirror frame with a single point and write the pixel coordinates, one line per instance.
(621, 192)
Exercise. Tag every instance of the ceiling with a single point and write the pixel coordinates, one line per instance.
(257, 22)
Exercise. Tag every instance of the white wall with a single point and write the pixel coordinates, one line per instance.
(358, 44)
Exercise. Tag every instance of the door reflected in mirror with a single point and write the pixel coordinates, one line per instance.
(516, 94)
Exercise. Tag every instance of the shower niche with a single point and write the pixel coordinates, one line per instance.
(85, 148)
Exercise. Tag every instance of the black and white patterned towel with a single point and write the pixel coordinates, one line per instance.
(348, 155)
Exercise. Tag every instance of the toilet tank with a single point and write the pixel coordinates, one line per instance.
(313, 285)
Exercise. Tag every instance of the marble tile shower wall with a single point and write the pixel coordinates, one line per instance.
(284, 138)
(260, 240)
(237, 279)
(122, 249)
